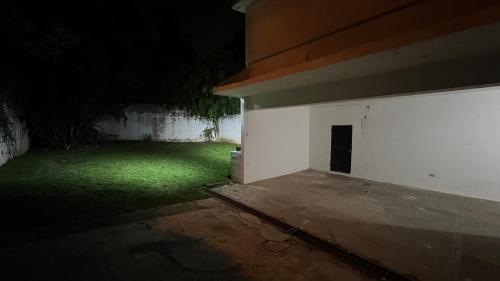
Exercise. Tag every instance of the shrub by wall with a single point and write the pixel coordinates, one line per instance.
(15, 142)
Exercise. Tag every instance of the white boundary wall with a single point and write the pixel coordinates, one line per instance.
(21, 140)
(447, 142)
(145, 121)
(230, 128)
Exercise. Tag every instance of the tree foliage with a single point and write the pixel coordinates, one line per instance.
(65, 66)
(199, 84)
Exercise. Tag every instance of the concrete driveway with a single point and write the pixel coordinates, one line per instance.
(423, 234)
(208, 242)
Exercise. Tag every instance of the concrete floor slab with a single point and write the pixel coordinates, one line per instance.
(424, 234)
(213, 242)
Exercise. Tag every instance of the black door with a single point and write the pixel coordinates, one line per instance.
(340, 158)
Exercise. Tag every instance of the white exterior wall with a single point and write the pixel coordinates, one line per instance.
(145, 121)
(276, 142)
(230, 128)
(21, 140)
(454, 135)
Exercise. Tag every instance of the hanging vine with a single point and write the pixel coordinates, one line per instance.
(6, 132)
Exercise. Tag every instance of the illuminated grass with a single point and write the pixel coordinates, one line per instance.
(44, 188)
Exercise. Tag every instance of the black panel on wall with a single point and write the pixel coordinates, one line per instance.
(341, 149)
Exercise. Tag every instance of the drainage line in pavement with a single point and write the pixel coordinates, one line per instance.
(361, 264)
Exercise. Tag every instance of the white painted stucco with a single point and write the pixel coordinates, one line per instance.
(454, 135)
(144, 121)
(20, 144)
(230, 128)
(276, 142)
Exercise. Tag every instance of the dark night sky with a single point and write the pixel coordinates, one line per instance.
(211, 23)
(129, 46)
(208, 24)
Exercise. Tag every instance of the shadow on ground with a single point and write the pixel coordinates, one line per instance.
(213, 242)
(166, 257)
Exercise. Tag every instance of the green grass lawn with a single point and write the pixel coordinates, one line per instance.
(57, 187)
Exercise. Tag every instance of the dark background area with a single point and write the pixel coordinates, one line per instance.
(64, 64)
